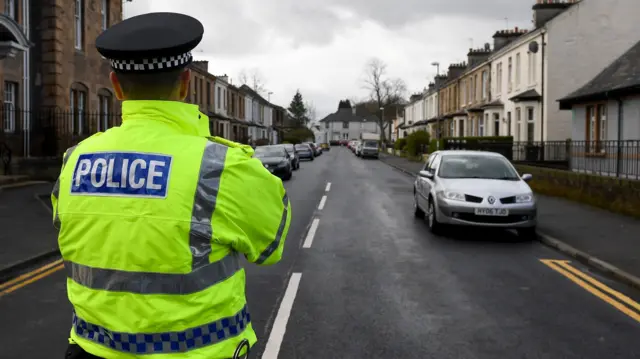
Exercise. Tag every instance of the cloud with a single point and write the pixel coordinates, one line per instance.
(322, 46)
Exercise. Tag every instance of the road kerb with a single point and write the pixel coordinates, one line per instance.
(590, 260)
(579, 255)
(13, 269)
(20, 184)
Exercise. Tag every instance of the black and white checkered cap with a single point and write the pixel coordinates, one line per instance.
(153, 64)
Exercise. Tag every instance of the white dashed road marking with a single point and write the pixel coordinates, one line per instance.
(280, 324)
(322, 202)
(312, 232)
(328, 188)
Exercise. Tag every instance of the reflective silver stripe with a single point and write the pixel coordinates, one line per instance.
(204, 203)
(203, 273)
(154, 283)
(56, 187)
(276, 242)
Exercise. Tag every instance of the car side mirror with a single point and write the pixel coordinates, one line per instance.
(425, 174)
(527, 177)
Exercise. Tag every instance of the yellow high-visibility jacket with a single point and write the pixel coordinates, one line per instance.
(153, 216)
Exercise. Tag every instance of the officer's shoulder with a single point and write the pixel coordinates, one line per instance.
(234, 146)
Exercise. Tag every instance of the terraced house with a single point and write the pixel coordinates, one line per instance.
(56, 88)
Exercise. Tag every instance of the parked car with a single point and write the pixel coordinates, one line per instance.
(474, 188)
(316, 150)
(358, 151)
(295, 160)
(276, 159)
(325, 146)
(304, 151)
(369, 148)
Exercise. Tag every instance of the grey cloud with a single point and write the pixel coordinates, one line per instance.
(245, 27)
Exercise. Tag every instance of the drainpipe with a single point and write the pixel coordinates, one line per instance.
(26, 81)
(544, 45)
(620, 114)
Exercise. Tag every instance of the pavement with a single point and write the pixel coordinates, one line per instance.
(606, 240)
(26, 227)
(362, 278)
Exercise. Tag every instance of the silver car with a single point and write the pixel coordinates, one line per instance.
(474, 188)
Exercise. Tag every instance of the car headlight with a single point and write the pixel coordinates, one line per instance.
(524, 198)
(454, 196)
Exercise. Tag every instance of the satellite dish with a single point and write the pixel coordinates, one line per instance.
(533, 46)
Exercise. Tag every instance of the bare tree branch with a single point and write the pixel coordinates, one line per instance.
(252, 78)
(311, 111)
(383, 91)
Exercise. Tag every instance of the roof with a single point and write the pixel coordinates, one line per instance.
(346, 115)
(529, 95)
(248, 90)
(620, 78)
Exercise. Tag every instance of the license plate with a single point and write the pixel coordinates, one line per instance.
(498, 212)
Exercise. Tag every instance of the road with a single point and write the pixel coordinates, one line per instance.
(361, 278)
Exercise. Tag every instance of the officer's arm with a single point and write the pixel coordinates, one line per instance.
(55, 193)
(257, 207)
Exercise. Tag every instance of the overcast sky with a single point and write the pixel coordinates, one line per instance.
(322, 46)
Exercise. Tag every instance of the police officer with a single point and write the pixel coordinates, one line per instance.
(154, 214)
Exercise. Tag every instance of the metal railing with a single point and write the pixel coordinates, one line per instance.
(604, 158)
(48, 132)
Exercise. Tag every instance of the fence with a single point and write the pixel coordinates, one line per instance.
(605, 158)
(47, 132)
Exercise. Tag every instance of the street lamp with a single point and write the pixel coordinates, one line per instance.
(438, 129)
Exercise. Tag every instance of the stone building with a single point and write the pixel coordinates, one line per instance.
(59, 87)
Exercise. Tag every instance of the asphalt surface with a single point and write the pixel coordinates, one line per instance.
(373, 283)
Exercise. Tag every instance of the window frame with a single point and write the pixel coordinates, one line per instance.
(9, 123)
(10, 9)
(78, 24)
(78, 107)
(105, 100)
(594, 127)
(104, 14)
(531, 124)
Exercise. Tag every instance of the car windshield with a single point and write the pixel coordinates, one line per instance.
(476, 166)
(370, 144)
(302, 147)
(269, 151)
(288, 147)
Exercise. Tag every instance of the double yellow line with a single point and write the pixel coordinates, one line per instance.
(616, 299)
(27, 278)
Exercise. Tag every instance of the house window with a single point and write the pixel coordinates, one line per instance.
(517, 70)
(208, 94)
(518, 123)
(509, 124)
(218, 97)
(104, 12)
(345, 124)
(532, 68)
(326, 125)
(509, 74)
(499, 77)
(474, 88)
(596, 128)
(345, 136)
(10, 8)
(496, 124)
(482, 124)
(461, 128)
(10, 96)
(452, 127)
(79, 24)
(224, 97)
(485, 83)
(78, 115)
(531, 125)
(105, 107)
(464, 91)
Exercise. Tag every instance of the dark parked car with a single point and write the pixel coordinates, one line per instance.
(295, 160)
(304, 151)
(276, 159)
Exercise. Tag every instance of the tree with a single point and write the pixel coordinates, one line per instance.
(383, 91)
(253, 79)
(311, 112)
(298, 109)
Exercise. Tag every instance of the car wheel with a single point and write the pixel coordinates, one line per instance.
(288, 175)
(312, 158)
(417, 212)
(432, 220)
(527, 233)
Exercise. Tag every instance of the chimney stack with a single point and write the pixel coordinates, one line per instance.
(545, 10)
(456, 70)
(478, 56)
(440, 80)
(503, 38)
